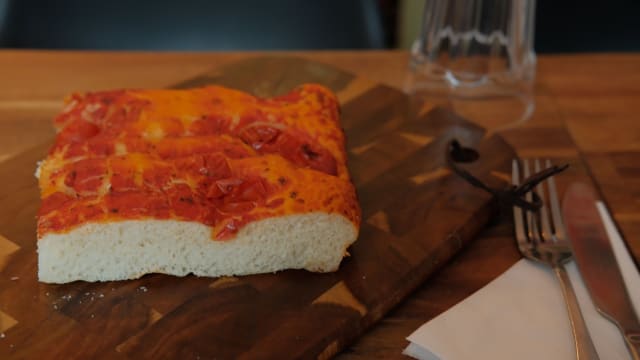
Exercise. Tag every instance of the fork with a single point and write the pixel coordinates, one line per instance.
(541, 237)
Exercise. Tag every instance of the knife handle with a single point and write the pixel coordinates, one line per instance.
(633, 343)
(585, 350)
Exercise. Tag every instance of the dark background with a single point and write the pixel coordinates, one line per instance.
(561, 26)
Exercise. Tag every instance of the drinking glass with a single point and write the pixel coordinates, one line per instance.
(476, 57)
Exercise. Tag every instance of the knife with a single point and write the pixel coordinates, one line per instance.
(597, 263)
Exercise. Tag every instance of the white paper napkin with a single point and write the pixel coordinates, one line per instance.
(522, 315)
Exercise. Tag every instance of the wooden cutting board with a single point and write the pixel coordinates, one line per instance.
(416, 216)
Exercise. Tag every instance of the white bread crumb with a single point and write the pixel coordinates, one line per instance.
(38, 169)
(129, 249)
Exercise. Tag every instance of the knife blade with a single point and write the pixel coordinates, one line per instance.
(597, 263)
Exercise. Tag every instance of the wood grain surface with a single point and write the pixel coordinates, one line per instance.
(587, 107)
(416, 216)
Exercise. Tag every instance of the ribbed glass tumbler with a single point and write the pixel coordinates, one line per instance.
(476, 57)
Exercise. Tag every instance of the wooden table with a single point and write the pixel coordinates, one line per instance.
(589, 100)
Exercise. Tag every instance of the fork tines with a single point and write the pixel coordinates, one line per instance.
(546, 224)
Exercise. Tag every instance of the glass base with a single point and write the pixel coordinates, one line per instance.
(493, 106)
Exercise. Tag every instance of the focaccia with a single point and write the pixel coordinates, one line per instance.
(210, 181)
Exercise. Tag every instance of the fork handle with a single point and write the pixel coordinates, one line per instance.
(584, 345)
(633, 343)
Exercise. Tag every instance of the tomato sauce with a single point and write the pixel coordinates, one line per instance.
(212, 155)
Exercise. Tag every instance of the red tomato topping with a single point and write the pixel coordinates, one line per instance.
(212, 155)
(77, 131)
